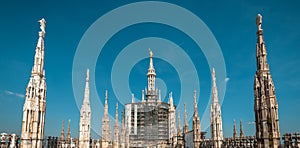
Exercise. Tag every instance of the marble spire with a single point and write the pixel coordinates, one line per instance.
(234, 130)
(68, 137)
(151, 73)
(34, 108)
(172, 118)
(196, 123)
(265, 102)
(241, 129)
(215, 115)
(85, 116)
(62, 135)
(106, 130)
(123, 131)
(116, 129)
(152, 93)
(186, 125)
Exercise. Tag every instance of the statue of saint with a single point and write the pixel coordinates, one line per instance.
(42, 25)
(259, 21)
(151, 53)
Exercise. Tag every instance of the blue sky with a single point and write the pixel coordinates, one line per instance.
(232, 24)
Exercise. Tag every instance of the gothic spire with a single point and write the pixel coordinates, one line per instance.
(171, 100)
(117, 115)
(178, 123)
(241, 129)
(186, 125)
(172, 117)
(38, 67)
(195, 104)
(85, 116)
(215, 115)
(122, 137)
(261, 53)
(196, 123)
(234, 130)
(87, 89)
(62, 134)
(116, 129)
(151, 73)
(69, 130)
(34, 108)
(265, 102)
(106, 128)
(214, 87)
(106, 97)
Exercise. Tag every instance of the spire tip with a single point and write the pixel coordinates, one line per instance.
(87, 75)
(150, 53)
(259, 21)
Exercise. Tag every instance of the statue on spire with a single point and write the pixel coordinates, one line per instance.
(87, 75)
(259, 21)
(106, 96)
(150, 53)
(42, 25)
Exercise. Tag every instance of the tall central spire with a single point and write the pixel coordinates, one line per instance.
(151, 73)
(106, 130)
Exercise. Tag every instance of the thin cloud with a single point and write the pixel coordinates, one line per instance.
(252, 122)
(226, 79)
(14, 94)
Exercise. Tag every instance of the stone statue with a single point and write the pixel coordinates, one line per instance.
(13, 141)
(151, 53)
(42, 25)
(3, 137)
(259, 21)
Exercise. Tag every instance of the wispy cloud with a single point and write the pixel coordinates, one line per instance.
(227, 79)
(252, 122)
(14, 94)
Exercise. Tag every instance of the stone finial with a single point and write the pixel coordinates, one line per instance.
(150, 53)
(106, 96)
(195, 99)
(259, 21)
(42, 25)
(87, 75)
